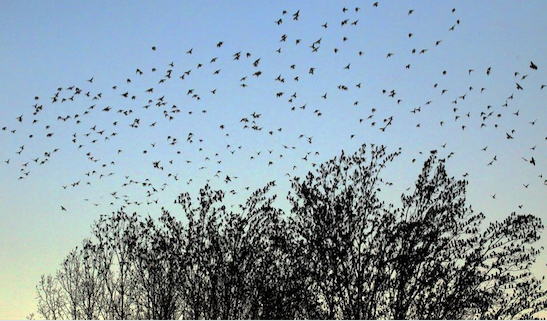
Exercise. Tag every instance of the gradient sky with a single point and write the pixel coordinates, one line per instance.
(51, 44)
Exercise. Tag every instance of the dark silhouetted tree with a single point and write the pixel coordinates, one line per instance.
(340, 253)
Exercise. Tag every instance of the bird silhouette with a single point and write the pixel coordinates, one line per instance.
(124, 124)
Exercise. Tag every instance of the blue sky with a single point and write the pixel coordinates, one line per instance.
(47, 45)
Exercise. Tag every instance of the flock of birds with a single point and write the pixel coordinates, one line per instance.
(102, 123)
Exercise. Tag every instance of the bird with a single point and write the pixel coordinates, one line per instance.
(166, 112)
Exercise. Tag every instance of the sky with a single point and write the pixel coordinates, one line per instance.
(48, 45)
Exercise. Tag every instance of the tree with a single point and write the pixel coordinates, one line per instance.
(426, 259)
(340, 253)
(343, 225)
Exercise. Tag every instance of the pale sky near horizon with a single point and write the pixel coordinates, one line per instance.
(50, 44)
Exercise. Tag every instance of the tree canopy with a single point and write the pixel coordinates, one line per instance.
(340, 252)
